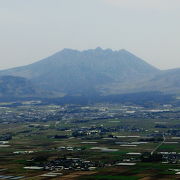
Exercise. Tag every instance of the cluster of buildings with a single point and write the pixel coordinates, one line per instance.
(70, 164)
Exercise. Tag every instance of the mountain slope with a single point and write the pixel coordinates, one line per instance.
(11, 86)
(167, 81)
(76, 72)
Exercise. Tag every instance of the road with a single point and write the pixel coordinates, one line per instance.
(154, 150)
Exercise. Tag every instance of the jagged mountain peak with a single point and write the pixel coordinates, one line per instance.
(97, 70)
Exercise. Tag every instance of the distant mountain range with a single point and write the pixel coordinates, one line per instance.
(96, 71)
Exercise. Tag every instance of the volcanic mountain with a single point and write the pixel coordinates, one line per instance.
(94, 71)
(76, 72)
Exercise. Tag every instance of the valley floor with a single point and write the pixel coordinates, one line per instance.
(94, 142)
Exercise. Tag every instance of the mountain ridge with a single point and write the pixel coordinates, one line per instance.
(100, 71)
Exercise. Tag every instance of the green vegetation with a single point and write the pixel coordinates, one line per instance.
(102, 177)
(90, 135)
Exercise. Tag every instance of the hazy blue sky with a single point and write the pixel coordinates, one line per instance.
(33, 29)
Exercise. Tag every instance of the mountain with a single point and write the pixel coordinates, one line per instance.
(72, 72)
(11, 86)
(167, 81)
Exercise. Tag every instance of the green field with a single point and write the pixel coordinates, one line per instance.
(104, 141)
